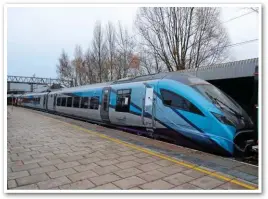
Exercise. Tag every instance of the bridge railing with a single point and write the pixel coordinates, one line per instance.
(38, 80)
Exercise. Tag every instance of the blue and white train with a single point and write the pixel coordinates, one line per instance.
(178, 107)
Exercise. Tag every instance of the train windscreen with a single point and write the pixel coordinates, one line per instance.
(218, 97)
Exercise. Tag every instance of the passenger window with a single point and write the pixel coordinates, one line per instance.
(69, 101)
(44, 102)
(76, 102)
(94, 103)
(123, 100)
(63, 101)
(171, 99)
(58, 101)
(84, 102)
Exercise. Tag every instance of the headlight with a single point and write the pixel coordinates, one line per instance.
(223, 119)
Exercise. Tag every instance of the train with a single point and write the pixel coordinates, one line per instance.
(175, 107)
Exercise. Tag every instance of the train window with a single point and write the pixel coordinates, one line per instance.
(58, 101)
(44, 101)
(63, 101)
(94, 102)
(69, 101)
(123, 100)
(54, 101)
(76, 102)
(171, 99)
(84, 102)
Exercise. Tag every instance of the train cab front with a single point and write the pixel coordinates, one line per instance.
(245, 138)
(232, 114)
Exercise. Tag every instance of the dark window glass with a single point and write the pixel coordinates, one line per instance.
(58, 101)
(123, 100)
(94, 102)
(171, 99)
(127, 91)
(44, 102)
(63, 101)
(54, 101)
(69, 101)
(105, 100)
(216, 96)
(76, 102)
(84, 102)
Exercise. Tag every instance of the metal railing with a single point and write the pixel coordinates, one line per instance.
(38, 80)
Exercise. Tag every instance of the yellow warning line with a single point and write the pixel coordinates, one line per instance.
(165, 157)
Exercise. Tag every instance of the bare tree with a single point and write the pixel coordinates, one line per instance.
(90, 68)
(111, 47)
(78, 65)
(125, 48)
(64, 68)
(150, 63)
(99, 52)
(183, 37)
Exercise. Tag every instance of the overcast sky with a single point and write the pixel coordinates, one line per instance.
(36, 36)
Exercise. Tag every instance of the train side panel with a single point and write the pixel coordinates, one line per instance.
(88, 113)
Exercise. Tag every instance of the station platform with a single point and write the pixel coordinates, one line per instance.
(47, 151)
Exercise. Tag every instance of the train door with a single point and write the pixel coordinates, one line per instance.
(148, 108)
(45, 101)
(54, 102)
(104, 111)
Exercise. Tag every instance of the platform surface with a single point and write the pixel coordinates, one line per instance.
(47, 151)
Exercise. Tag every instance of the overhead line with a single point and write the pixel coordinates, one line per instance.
(241, 43)
(238, 17)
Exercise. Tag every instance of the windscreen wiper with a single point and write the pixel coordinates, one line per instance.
(213, 99)
(219, 101)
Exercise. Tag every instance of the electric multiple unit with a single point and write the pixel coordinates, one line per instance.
(173, 106)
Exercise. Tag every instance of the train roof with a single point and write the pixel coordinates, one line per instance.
(14, 95)
(81, 88)
(182, 77)
(35, 94)
(177, 75)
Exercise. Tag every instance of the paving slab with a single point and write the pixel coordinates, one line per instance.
(157, 185)
(128, 172)
(178, 179)
(83, 184)
(108, 186)
(52, 183)
(129, 182)
(206, 182)
(31, 179)
(152, 175)
(103, 179)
